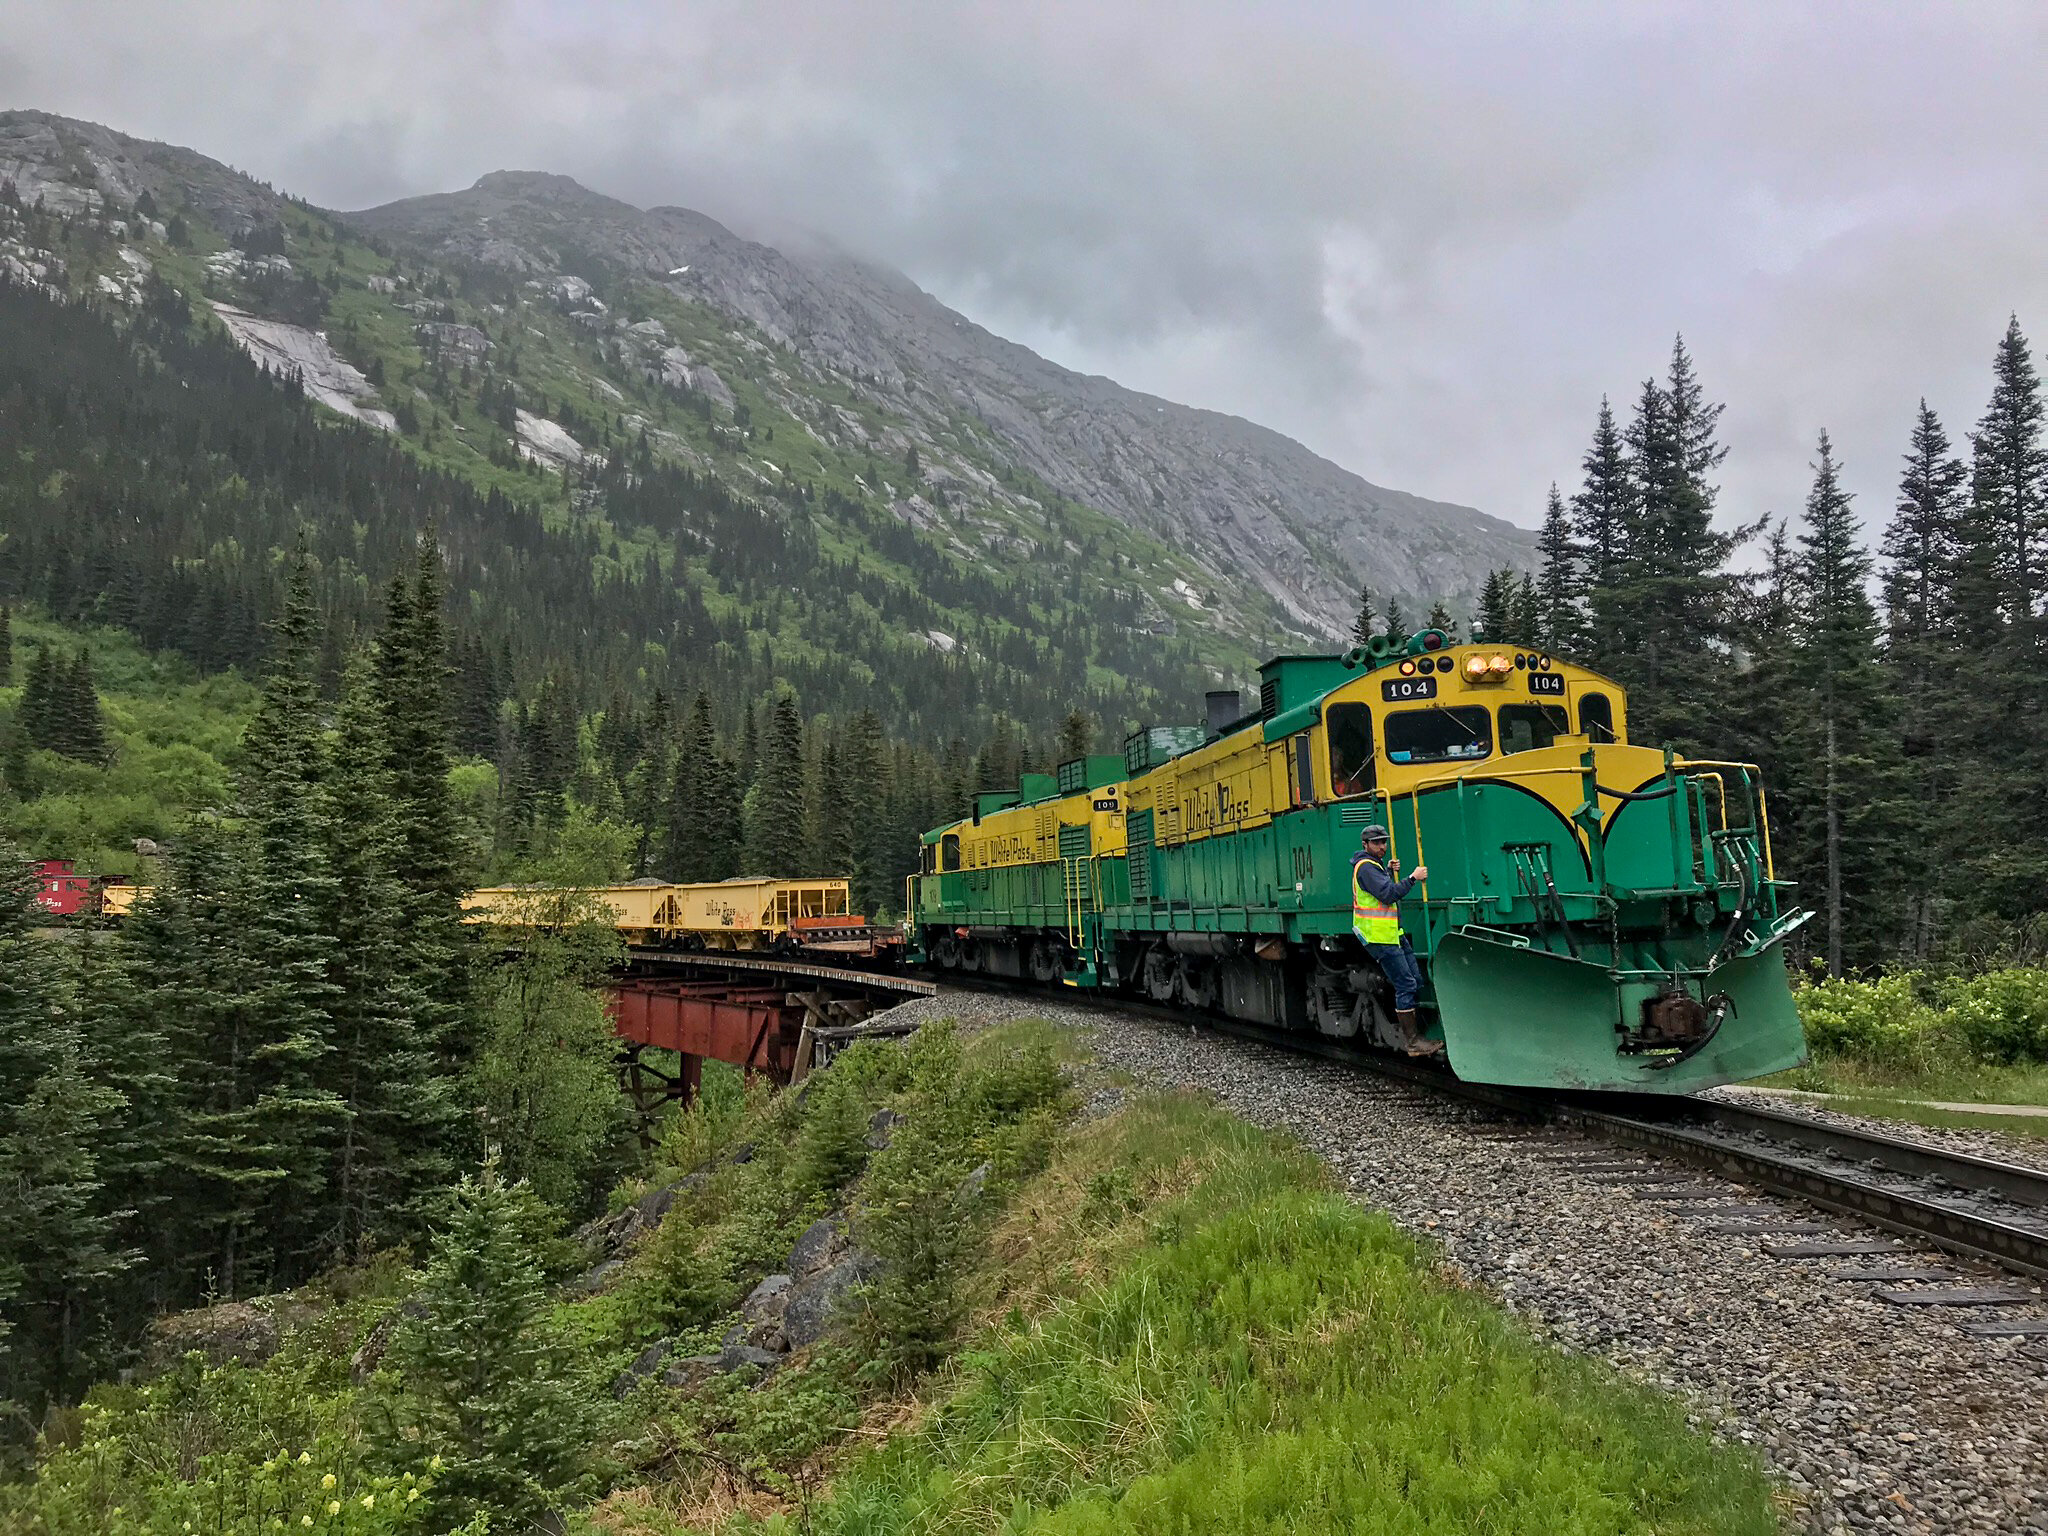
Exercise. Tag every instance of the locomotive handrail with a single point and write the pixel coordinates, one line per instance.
(1763, 818)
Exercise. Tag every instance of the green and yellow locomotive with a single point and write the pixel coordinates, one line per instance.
(1597, 915)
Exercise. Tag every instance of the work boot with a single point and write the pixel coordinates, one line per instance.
(1411, 1029)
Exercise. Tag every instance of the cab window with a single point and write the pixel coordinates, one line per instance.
(949, 853)
(1529, 727)
(1349, 728)
(1596, 717)
(1457, 735)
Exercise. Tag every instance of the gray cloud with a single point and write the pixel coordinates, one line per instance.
(1423, 242)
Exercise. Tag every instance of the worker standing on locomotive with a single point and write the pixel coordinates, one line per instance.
(1376, 894)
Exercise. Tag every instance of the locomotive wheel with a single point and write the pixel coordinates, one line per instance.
(1047, 960)
(1197, 983)
(1160, 975)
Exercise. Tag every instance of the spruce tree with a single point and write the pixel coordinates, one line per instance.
(2002, 800)
(6, 646)
(1667, 608)
(832, 838)
(1440, 618)
(1527, 619)
(412, 693)
(2009, 479)
(1923, 548)
(1366, 624)
(1560, 591)
(1077, 730)
(1844, 724)
(59, 1242)
(864, 760)
(34, 717)
(776, 845)
(291, 894)
(402, 1117)
(1396, 621)
(483, 1379)
(78, 711)
(1496, 601)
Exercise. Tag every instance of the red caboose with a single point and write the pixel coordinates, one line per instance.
(61, 892)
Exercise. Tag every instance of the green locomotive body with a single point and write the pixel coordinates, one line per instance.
(1596, 915)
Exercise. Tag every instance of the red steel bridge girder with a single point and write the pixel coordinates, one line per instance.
(754, 1027)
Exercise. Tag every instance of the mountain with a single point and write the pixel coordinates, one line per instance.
(1254, 505)
(1242, 532)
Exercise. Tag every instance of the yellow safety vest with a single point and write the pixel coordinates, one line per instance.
(1372, 922)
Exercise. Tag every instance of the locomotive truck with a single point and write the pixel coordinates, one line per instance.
(1597, 915)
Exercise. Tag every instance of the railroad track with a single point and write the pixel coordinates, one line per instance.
(1972, 1207)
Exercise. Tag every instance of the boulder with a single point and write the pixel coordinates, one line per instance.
(612, 1235)
(810, 1304)
(595, 1280)
(693, 1370)
(362, 1365)
(231, 1330)
(823, 1243)
(971, 1187)
(645, 1364)
(765, 1302)
(880, 1125)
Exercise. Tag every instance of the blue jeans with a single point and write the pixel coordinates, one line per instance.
(1397, 961)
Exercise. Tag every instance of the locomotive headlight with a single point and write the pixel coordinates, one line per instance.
(1475, 667)
(1502, 665)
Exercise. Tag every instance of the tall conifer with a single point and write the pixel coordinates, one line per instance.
(1560, 589)
(1366, 624)
(396, 1143)
(1843, 721)
(1923, 548)
(59, 1243)
(290, 895)
(777, 843)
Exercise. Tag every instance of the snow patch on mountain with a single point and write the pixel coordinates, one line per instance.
(325, 374)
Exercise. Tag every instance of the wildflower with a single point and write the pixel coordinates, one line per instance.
(305, 1457)
(327, 1481)
(334, 1506)
(305, 1519)
(411, 1494)
(408, 1477)
(369, 1501)
(434, 1465)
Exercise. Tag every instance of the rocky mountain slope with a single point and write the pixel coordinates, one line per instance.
(529, 322)
(1254, 505)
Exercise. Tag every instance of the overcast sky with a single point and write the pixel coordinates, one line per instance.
(1422, 239)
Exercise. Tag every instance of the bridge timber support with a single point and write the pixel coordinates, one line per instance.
(771, 1017)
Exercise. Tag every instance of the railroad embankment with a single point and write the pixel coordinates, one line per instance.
(974, 1280)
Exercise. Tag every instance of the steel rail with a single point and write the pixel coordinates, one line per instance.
(1657, 1125)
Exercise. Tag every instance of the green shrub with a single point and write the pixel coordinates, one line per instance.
(2001, 1017)
(1885, 1020)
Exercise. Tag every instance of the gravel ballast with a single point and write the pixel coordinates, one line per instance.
(1878, 1417)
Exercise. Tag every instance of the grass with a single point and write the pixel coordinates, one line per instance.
(1167, 1320)
(1186, 1329)
(1857, 1085)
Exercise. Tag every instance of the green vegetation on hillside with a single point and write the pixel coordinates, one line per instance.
(1160, 1318)
(170, 737)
